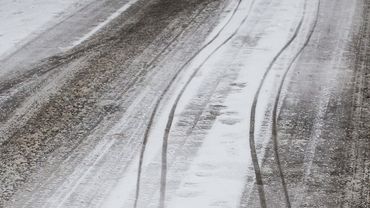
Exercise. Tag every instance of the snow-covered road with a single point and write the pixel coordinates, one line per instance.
(185, 103)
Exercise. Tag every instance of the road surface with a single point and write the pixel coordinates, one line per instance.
(186, 103)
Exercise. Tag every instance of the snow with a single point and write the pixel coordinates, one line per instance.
(218, 173)
(217, 176)
(23, 20)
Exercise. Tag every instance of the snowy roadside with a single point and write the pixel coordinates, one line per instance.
(21, 21)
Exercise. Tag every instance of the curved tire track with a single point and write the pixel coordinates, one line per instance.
(158, 102)
(169, 124)
(276, 103)
(257, 171)
(174, 106)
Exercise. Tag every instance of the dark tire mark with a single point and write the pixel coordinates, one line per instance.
(277, 99)
(257, 171)
(157, 104)
(174, 106)
(146, 135)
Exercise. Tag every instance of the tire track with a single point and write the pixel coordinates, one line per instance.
(274, 135)
(147, 131)
(257, 171)
(169, 123)
(174, 106)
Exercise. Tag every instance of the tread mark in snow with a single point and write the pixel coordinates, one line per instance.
(174, 106)
(169, 123)
(277, 99)
(257, 171)
(147, 131)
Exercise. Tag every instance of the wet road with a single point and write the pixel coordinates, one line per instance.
(191, 103)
